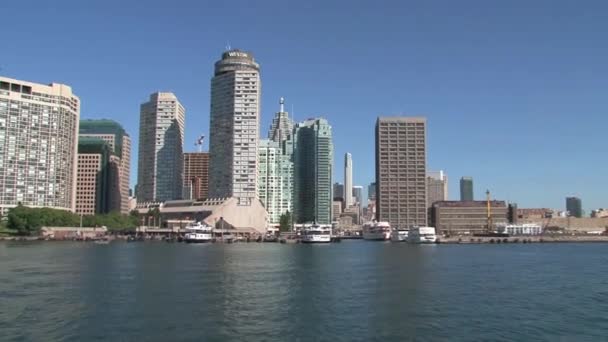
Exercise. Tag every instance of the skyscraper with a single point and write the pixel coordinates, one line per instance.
(235, 122)
(338, 190)
(275, 179)
(119, 143)
(161, 141)
(196, 175)
(574, 206)
(371, 191)
(401, 171)
(466, 189)
(357, 193)
(348, 180)
(282, 125)
(313, 166)
(437, 187)
(95, 176)
(38, 144)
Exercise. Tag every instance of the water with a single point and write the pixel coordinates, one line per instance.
(353, 291)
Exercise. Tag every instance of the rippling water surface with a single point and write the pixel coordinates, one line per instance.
(355, 290)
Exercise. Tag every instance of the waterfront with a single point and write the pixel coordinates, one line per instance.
(356, 290)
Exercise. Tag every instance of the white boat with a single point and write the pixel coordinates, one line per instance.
(316, 233)
(198, 232)
(399, 235)
(378, 231)
(422, 235)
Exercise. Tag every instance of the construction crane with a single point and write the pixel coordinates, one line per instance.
(489, 213)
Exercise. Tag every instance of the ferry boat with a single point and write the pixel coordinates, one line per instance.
(422, 235)
(378, 231)
(198, 232)
(399, 235)
(316, 233)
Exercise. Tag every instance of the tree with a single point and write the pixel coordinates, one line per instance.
(285, 222)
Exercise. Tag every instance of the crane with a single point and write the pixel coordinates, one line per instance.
(489, 213)
(199, 142)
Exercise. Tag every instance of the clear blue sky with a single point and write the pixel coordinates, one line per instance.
(515, 92)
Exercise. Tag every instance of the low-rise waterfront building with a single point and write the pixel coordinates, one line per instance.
(467, 217)
(521, 229)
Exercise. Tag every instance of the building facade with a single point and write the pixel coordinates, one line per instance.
(161, 141)
(338, 189)
(38, 145)
(234, 127)
(466, 189)
(574, 206)
(437, 187)
(371, 191)
(467, 217)
(357, 195)
(401, 171)
(313, 169)
(196, 175)
(96, 173)
(119, 143)
(348, 180)
(282, 125)
(275, 180)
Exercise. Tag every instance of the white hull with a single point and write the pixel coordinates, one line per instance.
(316, 238)
(376, 236)
(399, 236)
(194, 238)
(426, 240)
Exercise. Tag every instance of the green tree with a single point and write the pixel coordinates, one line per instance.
(285, 222)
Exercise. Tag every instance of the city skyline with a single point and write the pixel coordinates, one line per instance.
(533, 89)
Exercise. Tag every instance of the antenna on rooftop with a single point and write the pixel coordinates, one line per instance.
(228, 46)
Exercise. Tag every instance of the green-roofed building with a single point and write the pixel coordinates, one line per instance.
(94, 176)
(119, 146)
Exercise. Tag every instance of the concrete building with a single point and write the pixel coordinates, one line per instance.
(467, 217)
(225, 213)
(526, 214)
(466, 189)
(348, 180)
(437, 187)
(282, 125)
(313, 169)
(97, 177)
(336, 210)
(599, 213)
(401, 171)
(574, 206)
(371, 191)
(161, 141)
(196, 175)
(234, 127)
(120, 159)
(38, 145)
(275, 179)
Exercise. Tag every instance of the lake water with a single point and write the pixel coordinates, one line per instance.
(352, 291)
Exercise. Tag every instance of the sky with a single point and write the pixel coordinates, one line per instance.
(515, 92)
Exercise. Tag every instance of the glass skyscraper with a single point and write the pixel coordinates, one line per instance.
(313, 167)
(466, 189)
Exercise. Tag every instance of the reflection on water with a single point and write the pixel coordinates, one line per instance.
(355, 290)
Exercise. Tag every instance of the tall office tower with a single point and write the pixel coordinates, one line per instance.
(574, 206)
(357, 194)
(338, 190)
(95, 176)
(38, 145)
(313, 164)
(401, 171)
(371, 191)
(120, 159)
(275, 179)
(282, 125)
(196, 175)
(437, 187)
(466, 189)
(161, 141)
(348, 180)
(235, 124)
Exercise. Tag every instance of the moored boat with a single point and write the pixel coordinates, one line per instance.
(422, 235)
(198, 232)
(399, 235)
(316, 233)
(377, 231)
